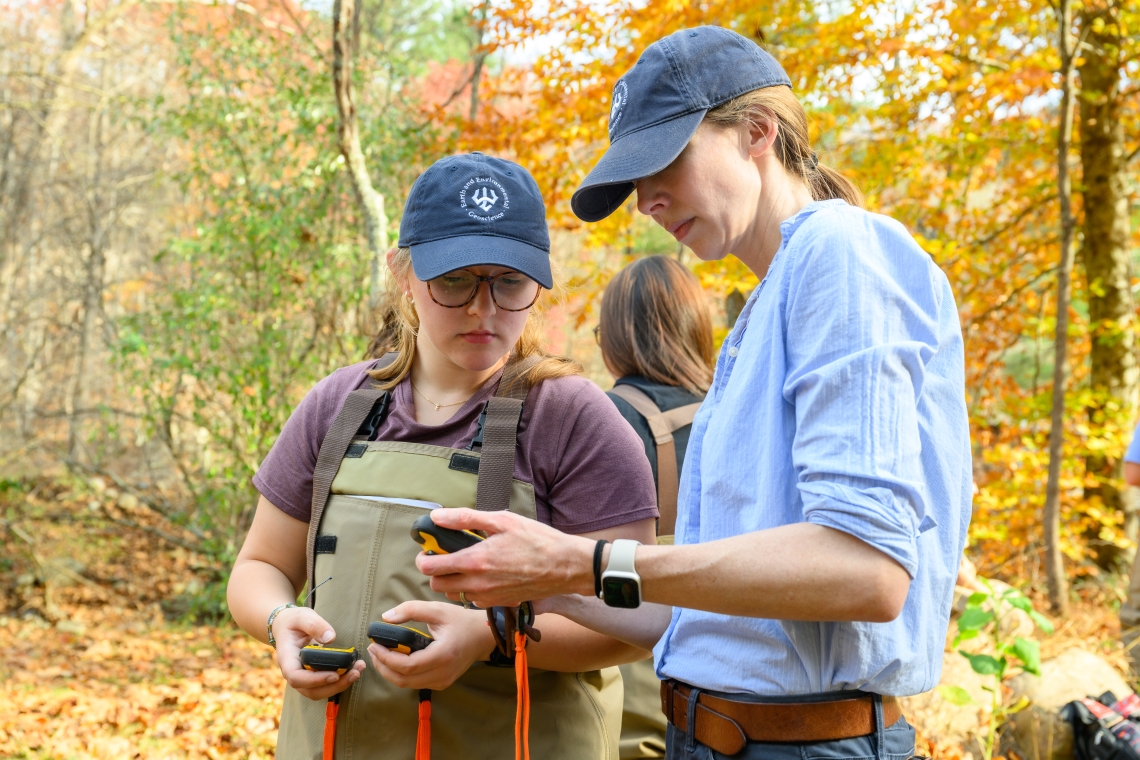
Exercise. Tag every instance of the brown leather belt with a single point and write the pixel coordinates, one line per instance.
(726, 725)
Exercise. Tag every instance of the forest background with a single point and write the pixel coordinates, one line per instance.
(195, 196)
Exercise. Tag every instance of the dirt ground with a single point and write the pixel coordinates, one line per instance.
(101, 667)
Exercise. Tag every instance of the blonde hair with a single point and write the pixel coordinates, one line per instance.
(655, 323)
(407, 324)
(793, 141)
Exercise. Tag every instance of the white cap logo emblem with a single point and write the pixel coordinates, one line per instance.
(485, 198)
(480, 197)
(620, 98)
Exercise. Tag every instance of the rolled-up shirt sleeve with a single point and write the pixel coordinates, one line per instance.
(862, 321)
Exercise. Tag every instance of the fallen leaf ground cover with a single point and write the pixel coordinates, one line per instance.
(95, 661)
(110, 670)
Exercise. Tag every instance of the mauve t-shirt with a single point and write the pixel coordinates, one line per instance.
(587, 465)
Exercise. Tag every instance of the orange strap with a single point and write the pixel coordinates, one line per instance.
(522, 712)
(423, 734)
(331, 709)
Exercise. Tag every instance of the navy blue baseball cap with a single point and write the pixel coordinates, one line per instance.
(659, 103)
(473, 210)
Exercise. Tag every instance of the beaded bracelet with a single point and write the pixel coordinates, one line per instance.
(272, 617)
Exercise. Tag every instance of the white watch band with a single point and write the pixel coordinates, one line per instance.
(622, 554)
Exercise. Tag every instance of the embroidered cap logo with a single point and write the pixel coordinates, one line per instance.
(485, 198)
(620, 98)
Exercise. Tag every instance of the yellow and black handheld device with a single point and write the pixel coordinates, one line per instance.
(437, 540)
(315, 657)
(399, 638)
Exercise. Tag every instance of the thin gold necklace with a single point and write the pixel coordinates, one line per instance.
(437, 405)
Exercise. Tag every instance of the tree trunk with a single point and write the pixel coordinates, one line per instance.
(1054, 567)
(94, 279)
(733, 305)
(345, 33)
(477, 59)
(1105, 250)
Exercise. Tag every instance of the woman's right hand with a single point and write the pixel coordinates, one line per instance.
(296, 627)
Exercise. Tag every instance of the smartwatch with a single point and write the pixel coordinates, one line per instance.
(621, 585)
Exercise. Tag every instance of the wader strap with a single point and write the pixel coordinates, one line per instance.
(500, 433)
(348, 420)
(423, 726)
(662, 425)
(332, 707)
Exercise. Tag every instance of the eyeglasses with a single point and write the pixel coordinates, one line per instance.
(511, 291)
(598, 335)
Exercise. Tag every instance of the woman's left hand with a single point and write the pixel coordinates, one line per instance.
(462, 638)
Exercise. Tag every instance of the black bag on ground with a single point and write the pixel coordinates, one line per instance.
(1103, 735)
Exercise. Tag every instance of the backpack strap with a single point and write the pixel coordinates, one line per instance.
(662, 425)
(500, 435)
(356, 410)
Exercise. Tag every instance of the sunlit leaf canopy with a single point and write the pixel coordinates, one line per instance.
(945, 114)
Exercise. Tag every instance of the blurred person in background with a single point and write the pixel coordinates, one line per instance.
(655, 332)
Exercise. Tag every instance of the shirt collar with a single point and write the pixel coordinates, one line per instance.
(789, 226)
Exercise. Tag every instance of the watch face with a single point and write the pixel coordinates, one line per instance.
(621, 592)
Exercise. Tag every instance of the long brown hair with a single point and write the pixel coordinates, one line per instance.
(407, 325)
(655, 323)
(793, 141)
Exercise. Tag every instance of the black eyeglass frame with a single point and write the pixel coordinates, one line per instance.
(479, 280)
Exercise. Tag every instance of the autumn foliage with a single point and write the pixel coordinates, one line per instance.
(182, 256)
(945, 115)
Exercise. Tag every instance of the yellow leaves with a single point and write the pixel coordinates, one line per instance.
(723, 276)
(938, 249)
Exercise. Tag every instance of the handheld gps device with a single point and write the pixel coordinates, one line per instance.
(399, 638)
(316, 657)
(437, 540)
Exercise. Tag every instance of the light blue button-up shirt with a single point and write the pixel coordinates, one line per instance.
(839, 400)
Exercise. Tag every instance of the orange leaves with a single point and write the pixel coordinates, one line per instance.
(202, 693)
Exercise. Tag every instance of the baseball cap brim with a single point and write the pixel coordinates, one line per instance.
(430, 260)
(631, 157)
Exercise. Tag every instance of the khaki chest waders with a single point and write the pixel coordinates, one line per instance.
(643, 725)
(364, 545)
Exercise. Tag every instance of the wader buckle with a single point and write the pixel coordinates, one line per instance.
(478, 439)
(374, 419)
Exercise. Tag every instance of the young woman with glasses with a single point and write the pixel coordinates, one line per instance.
(473, 262)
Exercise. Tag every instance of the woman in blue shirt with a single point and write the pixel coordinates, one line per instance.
(826, 493)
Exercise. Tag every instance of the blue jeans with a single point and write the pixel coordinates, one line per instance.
(897, 744)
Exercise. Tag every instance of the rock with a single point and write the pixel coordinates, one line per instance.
(129, 503)
(1037, 730)
(71, 626)
(939, 717)
(967, 573)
